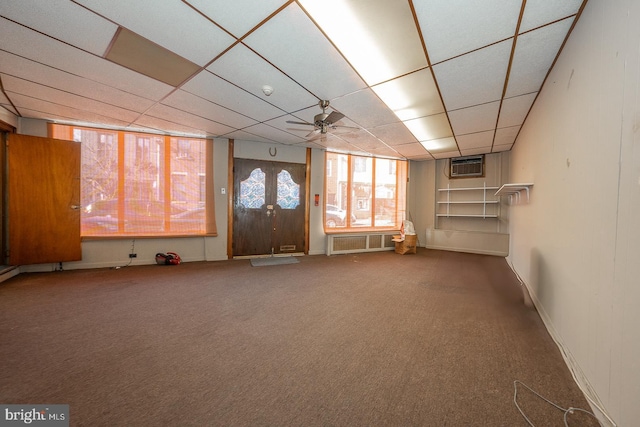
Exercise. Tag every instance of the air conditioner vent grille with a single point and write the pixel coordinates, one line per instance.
(467, 166)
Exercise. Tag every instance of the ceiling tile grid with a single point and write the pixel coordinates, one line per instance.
(425, 79)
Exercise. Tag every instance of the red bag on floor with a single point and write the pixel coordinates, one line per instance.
(170, 258)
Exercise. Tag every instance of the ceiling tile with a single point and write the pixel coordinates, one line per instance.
(473, 151)
(171, 24)
(506, 136)
(476, 140)
(515, 110)
(63, 20)
(215, 89)
(538, 12)
(411, 96)
(244, 68)
(454, 27)
(446, 155)
(411, 150)
(274, 134)
(474, 119)
(500, 148)
(535, 52)
(52, 67)
(198, 106)
(238, 16)
(290, 36)
(6, 104)
(362, 139)
(384, 151)
(39, 109)
(47, 76)
(333, 143)
(378, 37)
(458, 78)
(365, 109)
(162, 125)
(14, 86)
(39, 48)
(241, 135)
(173, 116)
(394, 134)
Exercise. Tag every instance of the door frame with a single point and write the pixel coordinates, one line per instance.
(230, 199)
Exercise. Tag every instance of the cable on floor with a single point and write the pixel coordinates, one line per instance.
(566, 412)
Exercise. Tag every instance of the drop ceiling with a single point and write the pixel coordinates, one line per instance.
(426, 79)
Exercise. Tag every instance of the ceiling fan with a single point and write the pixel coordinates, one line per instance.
(324, 121)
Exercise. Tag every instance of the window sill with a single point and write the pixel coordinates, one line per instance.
(156, 236)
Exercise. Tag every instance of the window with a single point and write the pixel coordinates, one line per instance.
(364, 192)
(141, 184)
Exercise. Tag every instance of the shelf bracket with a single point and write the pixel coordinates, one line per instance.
(514, 190)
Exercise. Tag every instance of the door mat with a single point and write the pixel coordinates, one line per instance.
(261, 262)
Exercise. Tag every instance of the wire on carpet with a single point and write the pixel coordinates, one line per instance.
(566, 412)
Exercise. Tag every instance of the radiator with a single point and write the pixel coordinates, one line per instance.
(360, 242)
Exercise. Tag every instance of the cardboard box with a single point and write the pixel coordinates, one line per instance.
(406, 246)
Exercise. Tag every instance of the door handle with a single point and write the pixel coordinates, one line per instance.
(75, 207)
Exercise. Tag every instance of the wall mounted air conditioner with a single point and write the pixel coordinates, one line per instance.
(467, 166)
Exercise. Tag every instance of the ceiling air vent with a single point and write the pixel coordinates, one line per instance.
(467, 166)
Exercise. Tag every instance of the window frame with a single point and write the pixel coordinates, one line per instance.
(400, 170)
(166, 172)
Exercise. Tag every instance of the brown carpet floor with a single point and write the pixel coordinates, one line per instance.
(379, 339)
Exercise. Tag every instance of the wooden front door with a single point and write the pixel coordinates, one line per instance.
(268, 207)
(44, 200)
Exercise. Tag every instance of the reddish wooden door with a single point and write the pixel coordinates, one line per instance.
(269, 208)
(43, 199)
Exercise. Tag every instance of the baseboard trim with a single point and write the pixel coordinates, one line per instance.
(577, 373)
(9, 272)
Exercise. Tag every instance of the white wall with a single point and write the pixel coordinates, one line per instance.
(477, 235)
(576, 244)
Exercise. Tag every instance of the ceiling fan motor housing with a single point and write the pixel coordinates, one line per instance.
(319, 119)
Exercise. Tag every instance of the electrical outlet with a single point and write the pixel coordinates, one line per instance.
(133, 255)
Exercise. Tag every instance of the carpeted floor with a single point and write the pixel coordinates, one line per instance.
(269, 261)
(379, 339)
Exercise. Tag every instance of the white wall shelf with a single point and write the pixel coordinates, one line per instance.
(514, 190)
(471, 196)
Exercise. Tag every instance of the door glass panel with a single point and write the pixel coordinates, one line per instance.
(288, 191)
(252, 190)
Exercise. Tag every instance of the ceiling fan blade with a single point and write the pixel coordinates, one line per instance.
(344, 127)
(334, 117)
(300, 123)
(313, 133)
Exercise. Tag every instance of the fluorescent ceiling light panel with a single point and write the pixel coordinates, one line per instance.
(378, 37)
(145, 57)
(431, 127)
(441, 145)
(412, 96)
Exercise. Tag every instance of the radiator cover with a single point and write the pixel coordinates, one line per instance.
(360, 242)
